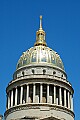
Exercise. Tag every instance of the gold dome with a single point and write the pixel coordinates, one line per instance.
(40, 53)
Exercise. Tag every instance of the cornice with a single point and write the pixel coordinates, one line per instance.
(44, 78)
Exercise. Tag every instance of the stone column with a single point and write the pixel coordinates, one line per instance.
(54, 94)
(68, 99)
(71, 99)
(65, 97)
(47, 93)
(60, 96)
(21, 96)
(11, 98)
(16, 96)
(8, 100)
(34, 93)
(27, 93)
(41, 93)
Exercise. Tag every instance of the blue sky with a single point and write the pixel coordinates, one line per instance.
(19, 20)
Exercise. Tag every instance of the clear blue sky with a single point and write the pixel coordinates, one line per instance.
(19, 20)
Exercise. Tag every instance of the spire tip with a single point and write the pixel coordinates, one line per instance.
(40, 16)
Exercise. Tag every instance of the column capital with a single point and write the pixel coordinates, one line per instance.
(60, 86)
(41, 83)
(16, 87)
(21, 85)
(55, 85)
(48, 84)
(34, 83)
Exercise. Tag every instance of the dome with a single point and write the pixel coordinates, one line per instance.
(40, 53)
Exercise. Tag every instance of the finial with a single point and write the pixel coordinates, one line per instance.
(40, 21)
(40, 35)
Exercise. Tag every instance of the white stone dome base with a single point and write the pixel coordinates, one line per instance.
(39, 111)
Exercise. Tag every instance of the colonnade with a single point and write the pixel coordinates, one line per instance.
(40, 93)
